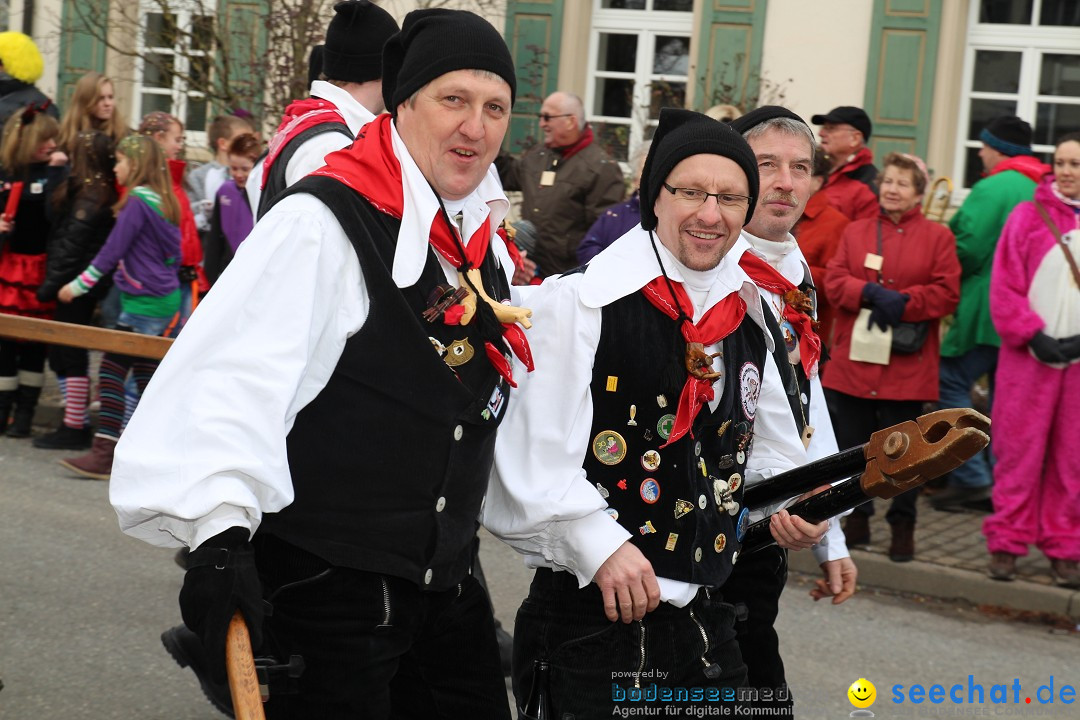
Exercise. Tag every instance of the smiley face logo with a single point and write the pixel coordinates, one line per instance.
(862, 693)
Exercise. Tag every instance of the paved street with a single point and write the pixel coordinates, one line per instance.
(81, 608)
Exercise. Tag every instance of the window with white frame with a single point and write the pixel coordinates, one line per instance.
(176, 41)
(639, 57)
(1023, 58)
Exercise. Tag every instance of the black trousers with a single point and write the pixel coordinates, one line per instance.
(598, 667)
(71, 361)
(754, 589)
(855, 419)
(376, 646)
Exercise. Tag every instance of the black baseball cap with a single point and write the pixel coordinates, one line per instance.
(847, 115)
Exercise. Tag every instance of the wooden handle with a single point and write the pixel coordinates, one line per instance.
(243, 684)
(84, 336)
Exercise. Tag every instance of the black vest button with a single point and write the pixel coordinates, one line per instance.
(458, 432)
(440, 504)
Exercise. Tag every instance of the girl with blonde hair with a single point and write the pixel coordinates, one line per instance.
(144, 249)
(92, 107)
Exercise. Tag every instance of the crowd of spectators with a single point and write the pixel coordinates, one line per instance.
(106, 224)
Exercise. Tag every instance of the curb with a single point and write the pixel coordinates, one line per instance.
(923, 578)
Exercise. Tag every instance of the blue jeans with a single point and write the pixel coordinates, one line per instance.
(143, 324)
(958, 376)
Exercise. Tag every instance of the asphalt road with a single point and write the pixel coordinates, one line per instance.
(82, 606)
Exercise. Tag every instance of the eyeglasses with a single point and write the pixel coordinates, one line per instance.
(699, 197)
(544, 117)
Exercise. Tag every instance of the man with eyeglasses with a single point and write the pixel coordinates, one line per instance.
(850, 188)
(620, 473)
(566, 183)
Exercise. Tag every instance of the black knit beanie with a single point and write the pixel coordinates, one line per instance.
(762, 114)
(314, 64)
(354, 41)
(1009, 135)
(680, 134)
(434, 42)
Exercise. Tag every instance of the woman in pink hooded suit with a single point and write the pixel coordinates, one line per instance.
(1035, 305)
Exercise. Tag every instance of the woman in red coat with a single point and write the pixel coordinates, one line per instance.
(899, 267)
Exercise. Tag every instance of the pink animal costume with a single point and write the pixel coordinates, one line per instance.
(1036, 406)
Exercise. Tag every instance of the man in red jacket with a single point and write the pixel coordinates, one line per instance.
(850, 188)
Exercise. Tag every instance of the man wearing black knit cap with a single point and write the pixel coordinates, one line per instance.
(784, 145)
(344, 383)
(620, 466)
(346, 94)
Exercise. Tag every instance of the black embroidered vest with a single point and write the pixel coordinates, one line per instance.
(683, 504)
(390, 461)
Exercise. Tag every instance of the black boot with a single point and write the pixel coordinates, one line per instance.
(25, 404)
(65, 438)
(7, 399)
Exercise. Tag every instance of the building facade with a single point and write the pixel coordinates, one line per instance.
(930, 73)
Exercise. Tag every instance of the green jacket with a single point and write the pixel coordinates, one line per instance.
(977, 226)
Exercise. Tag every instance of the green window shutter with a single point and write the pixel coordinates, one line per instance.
(82, 23)
(900, 78)
(729, 53)
(533, 32)
(241, 62)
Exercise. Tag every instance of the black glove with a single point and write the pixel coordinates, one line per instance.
(221, 579)
(886, 306)
(1047, 349)
(1070, 347)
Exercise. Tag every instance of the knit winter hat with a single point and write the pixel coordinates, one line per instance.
(762, 114)
(354, 41)
(314, 63)
(434, 42)
(1009, 135)
(680, 134)
(20, 57)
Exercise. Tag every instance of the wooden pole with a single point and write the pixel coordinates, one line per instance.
(83, 336)
(243, 683)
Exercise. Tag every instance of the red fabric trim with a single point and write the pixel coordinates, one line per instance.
(299, 116)
(719, 322)
(766, 276)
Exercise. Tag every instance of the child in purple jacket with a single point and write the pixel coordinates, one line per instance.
(144, 249)
(232, 218)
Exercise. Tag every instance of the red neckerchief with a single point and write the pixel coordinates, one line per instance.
(370, 167)
(583, 142)
(719, 322)
(767, 277)
(299, 116)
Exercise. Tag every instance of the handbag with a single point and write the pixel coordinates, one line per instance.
(907, 337)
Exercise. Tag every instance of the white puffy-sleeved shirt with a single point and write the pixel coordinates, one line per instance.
(205, 450)
(787, 259)
(311, 156)
(540, 501)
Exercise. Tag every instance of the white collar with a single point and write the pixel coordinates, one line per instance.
(785, 257)
(420, 206)
(356, 115)
(629, 264)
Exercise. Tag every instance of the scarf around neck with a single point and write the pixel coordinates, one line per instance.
(719, 321)
(371, 168)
